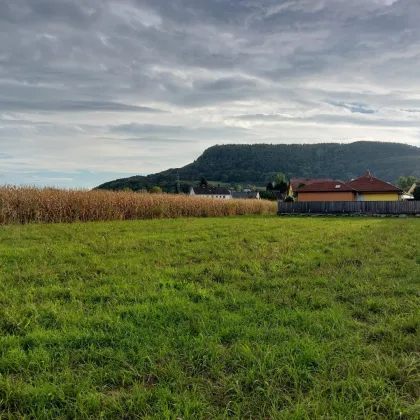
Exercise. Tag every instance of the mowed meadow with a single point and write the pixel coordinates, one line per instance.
(207, 318)
(19, 205)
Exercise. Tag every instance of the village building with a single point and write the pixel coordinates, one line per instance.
(210, 191)
(251, 195)
(326, 191)
(295, 183)
(370, 188)
(365, 188)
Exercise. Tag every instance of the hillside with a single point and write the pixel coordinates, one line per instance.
(258, 163)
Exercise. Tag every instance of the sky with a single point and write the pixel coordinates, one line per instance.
(94, 90)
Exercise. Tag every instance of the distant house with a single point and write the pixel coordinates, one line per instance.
(210, 191)
(253, 195)
(365, 188)
(326, 191)
(370, 188)
(295, 183)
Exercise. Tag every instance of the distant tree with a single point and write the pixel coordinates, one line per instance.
(405, 182)
(127, 189)
(203, 182)
(416, 193)
(281, 186)
(280, 177)
(156, 190)
(289, 199)
(301, 185)
(238, 187)
(269, 186)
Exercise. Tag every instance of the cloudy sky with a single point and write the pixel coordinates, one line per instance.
(92, 90)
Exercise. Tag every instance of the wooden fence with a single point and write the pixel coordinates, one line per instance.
(348, 207)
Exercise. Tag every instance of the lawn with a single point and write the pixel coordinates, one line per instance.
(241, 317)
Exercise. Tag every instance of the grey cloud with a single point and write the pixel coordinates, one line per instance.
(295, 62)
(58, 11)
(329, 119)
(354, 107)
(151, 141)
(162, 131)
(73, 106)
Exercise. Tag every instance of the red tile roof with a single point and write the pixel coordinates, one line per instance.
(326, 186)
(295, 182)
(368, 183)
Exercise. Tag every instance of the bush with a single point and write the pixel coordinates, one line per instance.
(268, 195)
(156, 190)
(289, 199)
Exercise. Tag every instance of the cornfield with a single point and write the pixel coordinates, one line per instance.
(20, 205)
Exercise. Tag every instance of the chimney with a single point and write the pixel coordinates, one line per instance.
(368, 174)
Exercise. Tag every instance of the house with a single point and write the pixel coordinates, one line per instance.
(365, 188)
(295, 183)
(370, 188)
(253, 195)
(326, 191)
(210, 191)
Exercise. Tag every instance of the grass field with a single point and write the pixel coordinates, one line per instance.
(242, 317)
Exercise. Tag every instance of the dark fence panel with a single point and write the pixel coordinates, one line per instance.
(364, 207)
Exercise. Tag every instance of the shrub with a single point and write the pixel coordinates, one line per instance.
(289, 199)
(156, 190)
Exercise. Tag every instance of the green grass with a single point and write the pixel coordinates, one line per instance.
(243, 317)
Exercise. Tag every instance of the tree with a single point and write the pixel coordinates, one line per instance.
(269, 186)
(156, 190)
(289, 199)
(280, 177)
(238, 187)
(127, 189)
(416, 193)
(405, 182)
(281, 186)
(203, 182)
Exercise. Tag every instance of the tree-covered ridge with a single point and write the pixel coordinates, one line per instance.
(259, 163)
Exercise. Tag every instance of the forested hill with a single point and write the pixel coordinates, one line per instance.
(257, 163)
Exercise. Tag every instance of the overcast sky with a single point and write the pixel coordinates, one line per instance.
(92, 90)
